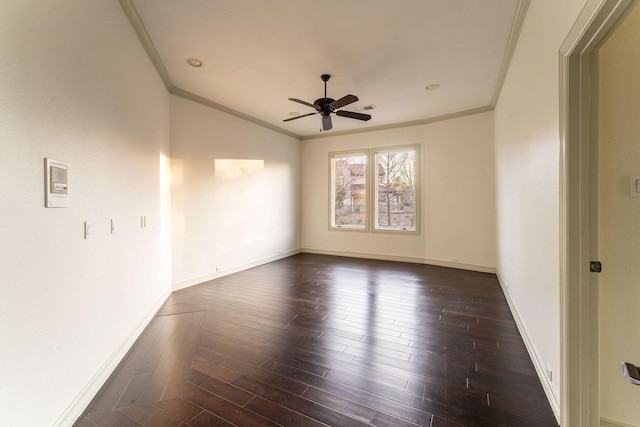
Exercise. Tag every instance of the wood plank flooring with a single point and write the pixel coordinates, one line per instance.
(315, 340)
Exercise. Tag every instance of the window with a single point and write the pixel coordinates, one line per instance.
(395, 192)
(349, 190)
(390, 186)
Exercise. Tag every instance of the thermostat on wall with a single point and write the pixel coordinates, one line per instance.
(56, 187)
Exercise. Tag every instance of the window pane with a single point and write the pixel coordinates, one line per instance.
(396, 190)
(349, 194)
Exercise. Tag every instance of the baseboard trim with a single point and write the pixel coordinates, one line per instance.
(538, 363)
(606, 422)
(89, 391)
(192, 282)
(413, 260)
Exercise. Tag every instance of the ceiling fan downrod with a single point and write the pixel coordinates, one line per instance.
(325, 78)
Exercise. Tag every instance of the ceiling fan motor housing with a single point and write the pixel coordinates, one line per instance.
(323, 105)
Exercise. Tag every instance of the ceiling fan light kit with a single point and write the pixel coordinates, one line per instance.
(325, 106)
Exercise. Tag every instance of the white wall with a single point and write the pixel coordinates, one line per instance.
(231, 216)
(619, 214)
(457, 210)
(76, 86)
(527, 147)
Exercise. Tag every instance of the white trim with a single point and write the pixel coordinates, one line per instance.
(606, 422)
(538, 363)
(579, 386)
(398, 258)
(95, 383)
(227, 271)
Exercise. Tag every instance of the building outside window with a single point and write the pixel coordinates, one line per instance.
(349, 190)
(390, 186)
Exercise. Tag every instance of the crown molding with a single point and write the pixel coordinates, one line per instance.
(209, 103)
(516, 29)
(143, 35)
(404, 124)
(140, 30)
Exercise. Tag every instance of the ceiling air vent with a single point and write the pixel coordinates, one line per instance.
(366, 108)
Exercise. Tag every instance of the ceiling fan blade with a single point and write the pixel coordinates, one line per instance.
(353, 115)
(345, 100)
(299, 101)
(299, 117)
(326, 123)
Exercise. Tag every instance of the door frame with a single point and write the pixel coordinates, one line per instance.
(579, 384)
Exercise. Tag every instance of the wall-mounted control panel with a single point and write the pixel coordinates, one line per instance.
(56, 189)
(634, 186)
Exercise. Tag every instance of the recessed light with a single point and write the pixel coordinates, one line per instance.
(432, 86)
(294, 113)
(195, 62)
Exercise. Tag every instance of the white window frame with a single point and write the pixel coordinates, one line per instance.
(332, 188)
(374, 188)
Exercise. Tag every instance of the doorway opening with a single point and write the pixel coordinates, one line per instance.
(579, 292)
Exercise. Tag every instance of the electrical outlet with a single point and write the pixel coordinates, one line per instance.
(549, 372)
(87, 230)
(113, 226)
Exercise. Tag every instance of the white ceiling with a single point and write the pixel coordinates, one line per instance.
(259, 53)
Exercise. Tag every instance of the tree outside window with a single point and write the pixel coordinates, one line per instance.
(395, 193)
(393, 179)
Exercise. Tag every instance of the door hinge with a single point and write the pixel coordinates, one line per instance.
(595, 266)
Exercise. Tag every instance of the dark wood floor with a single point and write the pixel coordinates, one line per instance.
(315, 340)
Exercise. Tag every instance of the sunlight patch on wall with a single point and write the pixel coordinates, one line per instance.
(236, 168)
(165, 178)
(165, 214)
(177, 230)
(177, 171)
(241, 197)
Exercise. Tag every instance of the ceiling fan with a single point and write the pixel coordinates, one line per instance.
(325, 106)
